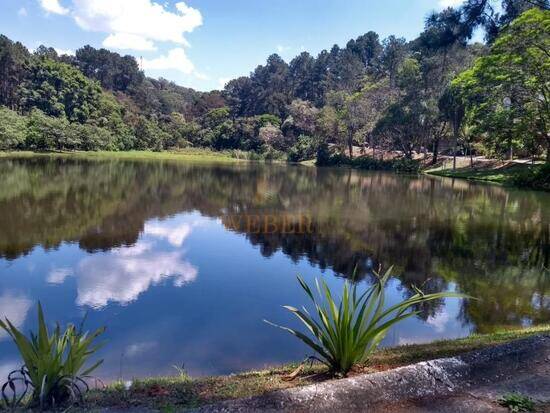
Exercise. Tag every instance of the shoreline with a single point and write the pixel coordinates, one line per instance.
(183, 392)
(494, 172)
(189, 155)
(506, 173)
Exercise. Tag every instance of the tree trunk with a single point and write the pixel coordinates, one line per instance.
(350, 146)
(436, 151)
(548, 152)
(455, 136)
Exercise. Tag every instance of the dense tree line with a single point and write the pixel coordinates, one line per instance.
(438, 92)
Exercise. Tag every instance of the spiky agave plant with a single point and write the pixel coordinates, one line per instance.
(347, 333)
(53, 363)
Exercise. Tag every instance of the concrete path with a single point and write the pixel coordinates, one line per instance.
(468, 383)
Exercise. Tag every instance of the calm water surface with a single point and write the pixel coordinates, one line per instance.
(182, 262)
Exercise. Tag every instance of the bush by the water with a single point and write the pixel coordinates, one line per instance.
(536, 177)
(400, 165)
(303, 150)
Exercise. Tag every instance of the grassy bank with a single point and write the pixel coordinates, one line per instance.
(181, 391)
(187, 155)
(503, 173)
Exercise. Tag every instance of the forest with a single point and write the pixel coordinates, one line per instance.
(439, 93)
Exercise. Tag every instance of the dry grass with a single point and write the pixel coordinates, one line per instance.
(169, 393)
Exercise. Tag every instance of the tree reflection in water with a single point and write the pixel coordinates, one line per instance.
(487, 241)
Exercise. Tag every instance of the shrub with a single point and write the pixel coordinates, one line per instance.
(323, 155)
(53, 363)
(537, 177)
(149, 135)
(271, 154)
(405, 166)
(305, 148)
(12, 130)
(399, 165)
(91, 138)
(45, 133)
(347, 333)
(517, 403)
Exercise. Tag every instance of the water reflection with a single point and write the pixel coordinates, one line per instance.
(123, 273)
(15, 307)
(136, 234)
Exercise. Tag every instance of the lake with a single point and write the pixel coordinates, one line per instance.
(182, 262)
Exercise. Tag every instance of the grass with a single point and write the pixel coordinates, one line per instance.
(167, 393)
(495, 172)
(187, 155)
(517, 403)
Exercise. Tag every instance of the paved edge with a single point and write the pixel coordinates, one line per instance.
(426, 380)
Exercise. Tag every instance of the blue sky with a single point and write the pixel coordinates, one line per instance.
(202, 43)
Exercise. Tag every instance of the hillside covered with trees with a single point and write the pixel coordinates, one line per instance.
(438, 92)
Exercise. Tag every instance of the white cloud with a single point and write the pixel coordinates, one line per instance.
(22, 12)
(282, 49)
(14, 307)
(176, 59)
(68, 52)
(143, 18)
(450, 3)
(53, 6)
(128, 41)
(58, 275)
(201, 76)
(138, 25)
(122, 275)
(138, 349)
(175, 235)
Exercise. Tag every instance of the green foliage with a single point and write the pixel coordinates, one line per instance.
(517, 403)
(215, 117)
(406, 166)
(271, 154)
(390, 94)
(46, 133)
(304, 149)
(268, 119)
(110, 117)
(113, 71)
(535, 177)
(506, 91)
(399, 165)
(149, 135)
(14, 58)
(90, 137)
(12, 130)
(346, 333)
(54, 361)
(323, 157)
(60, 90)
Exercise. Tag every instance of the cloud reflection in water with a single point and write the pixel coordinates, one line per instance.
(13, 306)
(122, 274)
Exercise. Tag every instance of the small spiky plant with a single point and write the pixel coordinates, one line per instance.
(346, 333)
(53, 363)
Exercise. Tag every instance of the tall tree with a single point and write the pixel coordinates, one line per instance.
(508, 91)
(14, 60)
